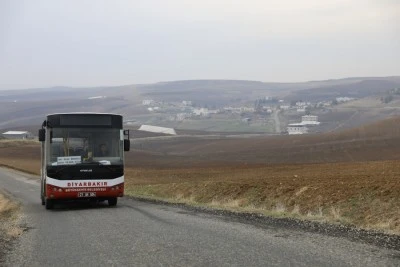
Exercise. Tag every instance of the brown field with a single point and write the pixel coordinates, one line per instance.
(378, 141)
(351, 177)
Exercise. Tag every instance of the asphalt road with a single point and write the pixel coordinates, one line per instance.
(141, 234)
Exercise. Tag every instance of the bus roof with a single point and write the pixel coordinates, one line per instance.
(84, 119)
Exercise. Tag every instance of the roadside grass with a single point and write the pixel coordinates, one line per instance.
(9, 214)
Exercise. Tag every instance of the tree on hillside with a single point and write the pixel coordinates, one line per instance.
(386, 99)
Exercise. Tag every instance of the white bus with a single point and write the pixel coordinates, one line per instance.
(82, 157)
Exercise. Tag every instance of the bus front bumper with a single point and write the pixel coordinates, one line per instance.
(55, 192)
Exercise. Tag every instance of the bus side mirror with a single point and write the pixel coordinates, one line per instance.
(42, 135)
(127, 144)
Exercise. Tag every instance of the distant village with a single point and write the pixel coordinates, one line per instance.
(248, 113)
(180, 111)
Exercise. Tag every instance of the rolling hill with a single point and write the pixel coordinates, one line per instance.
(355, 89)
(19, 108)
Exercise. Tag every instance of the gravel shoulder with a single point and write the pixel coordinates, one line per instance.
(9, 217)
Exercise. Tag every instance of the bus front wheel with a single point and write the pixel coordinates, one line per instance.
(49, 204)
(112, 201)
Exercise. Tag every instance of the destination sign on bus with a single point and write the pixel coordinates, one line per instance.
(72, 160)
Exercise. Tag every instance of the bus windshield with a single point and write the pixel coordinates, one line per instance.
(71, 146)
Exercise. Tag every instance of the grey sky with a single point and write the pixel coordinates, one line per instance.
(87, 43)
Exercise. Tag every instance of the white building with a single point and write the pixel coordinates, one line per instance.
(201, 112)
(284, 107)
(18, 135)
(155, 109)
(247, 109)
(97, 97)
(303, 104)
(297, 128)
(157, 129)
(324, 104)
(267, 109)
(186, 103)
(147, 102)
(344, 99)
(309, 120)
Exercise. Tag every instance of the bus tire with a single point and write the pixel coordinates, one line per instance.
(49, 204)
(112, 201)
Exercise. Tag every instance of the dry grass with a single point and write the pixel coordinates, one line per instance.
(9, 211)
(6, 206)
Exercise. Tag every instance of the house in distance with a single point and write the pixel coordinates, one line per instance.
(17, 135)
(301, 128)
(309, 120)
(297, 128)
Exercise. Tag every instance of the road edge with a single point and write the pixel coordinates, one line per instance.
(372, 237)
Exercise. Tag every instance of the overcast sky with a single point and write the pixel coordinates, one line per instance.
(87, 43)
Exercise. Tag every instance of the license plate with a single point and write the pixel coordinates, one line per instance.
(86, 194)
